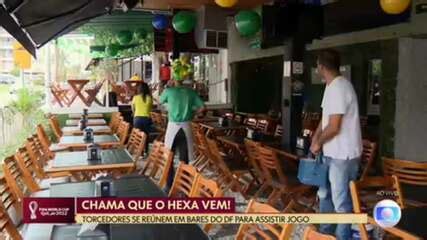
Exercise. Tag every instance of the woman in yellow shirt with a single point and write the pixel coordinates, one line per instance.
(141, 108)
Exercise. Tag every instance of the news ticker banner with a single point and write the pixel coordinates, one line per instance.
(163, 211)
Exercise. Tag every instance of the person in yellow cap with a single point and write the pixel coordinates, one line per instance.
(136, 77)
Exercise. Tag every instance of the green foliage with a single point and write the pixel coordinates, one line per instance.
(27, 104)
(144, 42)
(15, 72)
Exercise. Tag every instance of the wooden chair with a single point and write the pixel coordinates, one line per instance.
(265, 231)
(206, 188)
(48, 148)
(120, 92)
(251, 122)
(364, 195)
(92, 92)
(114, 122)
(310, 233)
(123, 132)
(60, 95)
(54, 124)
(158, 164)
(185, 178)
(282, 185)
(229, 116)
(263, 125)
(20, 182)
(231, 174)
(7, 227)
(368, 157)
(136, 143)
(238, 118)
(253, 159)
(279, 131)
(412, 176)
(32, 168)
(202, 160)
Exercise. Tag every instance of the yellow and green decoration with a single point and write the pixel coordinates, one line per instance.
(182, 68)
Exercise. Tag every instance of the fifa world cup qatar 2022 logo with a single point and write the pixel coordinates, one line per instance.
(33, 209)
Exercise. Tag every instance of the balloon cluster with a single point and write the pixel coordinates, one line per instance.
(181, 68)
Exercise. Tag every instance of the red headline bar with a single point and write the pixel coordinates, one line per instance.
(154, 205)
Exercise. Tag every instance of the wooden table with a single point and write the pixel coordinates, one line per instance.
(105, 141)
(116, 161)
(97, 130)
(206, 119)
(137, 186)
(215, 127)
(90, 122)
(90, 115)
(77, 86)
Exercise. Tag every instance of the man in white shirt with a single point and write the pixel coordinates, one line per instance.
(338, 136)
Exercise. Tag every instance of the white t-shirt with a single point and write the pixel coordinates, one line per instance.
(340, 98)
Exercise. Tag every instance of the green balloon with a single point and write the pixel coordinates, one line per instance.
(248, 23)
(140, 34)
(184, 21)
(124, 37)
(112, 50)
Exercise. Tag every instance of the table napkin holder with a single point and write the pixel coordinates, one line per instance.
(94, 152)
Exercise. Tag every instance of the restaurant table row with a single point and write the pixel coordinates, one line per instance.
(90, 122)
(98, 130)
(128, 186)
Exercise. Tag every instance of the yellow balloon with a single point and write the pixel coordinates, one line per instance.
(394, 6)
(226, 3)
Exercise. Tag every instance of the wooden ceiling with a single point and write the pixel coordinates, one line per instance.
(195, 4)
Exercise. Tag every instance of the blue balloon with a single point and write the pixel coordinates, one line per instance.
(160, 22)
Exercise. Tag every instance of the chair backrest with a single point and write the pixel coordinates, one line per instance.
(264, 231)
(123, 132)
(263, 125)
(408, 172)
(253, 158)
(7, 225)
(136, 143)
(364, 195)
(279, 131)
(158, 164)
(44, 140)
(36, 156)
(8, 197)
(28, 168)
(368, 156)
(185, 178)
(364, 192)
(206, 188)
(54, 124)
(270, 165)
(238, 118)
(114, 122)
(19, 181)
(310, 233)
(251, 122)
